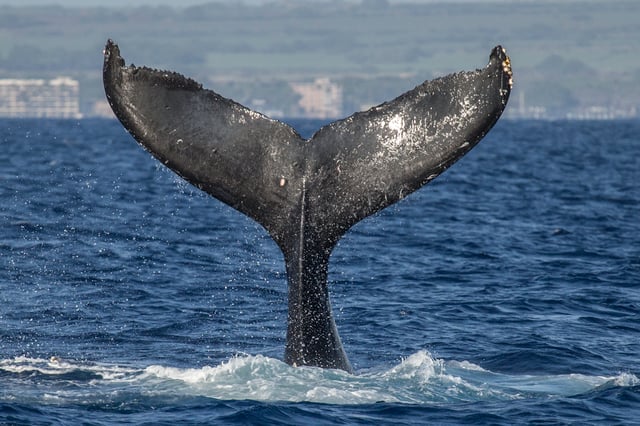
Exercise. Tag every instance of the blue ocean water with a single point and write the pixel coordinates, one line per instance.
(507, 291)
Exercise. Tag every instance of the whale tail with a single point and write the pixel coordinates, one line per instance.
(307, 193)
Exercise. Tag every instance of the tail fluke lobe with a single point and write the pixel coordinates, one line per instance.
(237, 155)
(373, 159)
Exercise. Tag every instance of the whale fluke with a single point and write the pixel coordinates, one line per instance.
(307, 193)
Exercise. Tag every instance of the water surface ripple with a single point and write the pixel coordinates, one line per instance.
(507, 291)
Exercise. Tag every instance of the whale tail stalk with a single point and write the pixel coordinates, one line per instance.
(307, 193)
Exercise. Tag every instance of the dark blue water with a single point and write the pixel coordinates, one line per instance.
(507, 291)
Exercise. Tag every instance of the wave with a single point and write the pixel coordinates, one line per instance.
(418, 379)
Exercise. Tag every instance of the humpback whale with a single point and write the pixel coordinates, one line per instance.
(307, 193)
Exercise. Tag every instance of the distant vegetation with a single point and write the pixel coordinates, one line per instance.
(567, 56)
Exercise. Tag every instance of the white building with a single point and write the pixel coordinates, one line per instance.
(57, 98)
(320, 99)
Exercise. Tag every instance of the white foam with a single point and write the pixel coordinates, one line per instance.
(419, 379)
(56, 366)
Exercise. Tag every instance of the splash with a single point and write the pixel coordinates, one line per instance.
(419, 379)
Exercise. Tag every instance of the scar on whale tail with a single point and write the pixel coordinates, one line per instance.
(307, 193)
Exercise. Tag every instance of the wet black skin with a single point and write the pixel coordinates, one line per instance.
(307, 193)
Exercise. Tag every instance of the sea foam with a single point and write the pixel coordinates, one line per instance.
(418, 379)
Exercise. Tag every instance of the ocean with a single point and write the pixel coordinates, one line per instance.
(507, 291)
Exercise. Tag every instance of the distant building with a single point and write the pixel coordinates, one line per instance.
(57, 98)
(522, 110)
(602, 113)
(320, 99)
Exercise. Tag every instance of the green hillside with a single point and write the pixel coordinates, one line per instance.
(566, 56)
